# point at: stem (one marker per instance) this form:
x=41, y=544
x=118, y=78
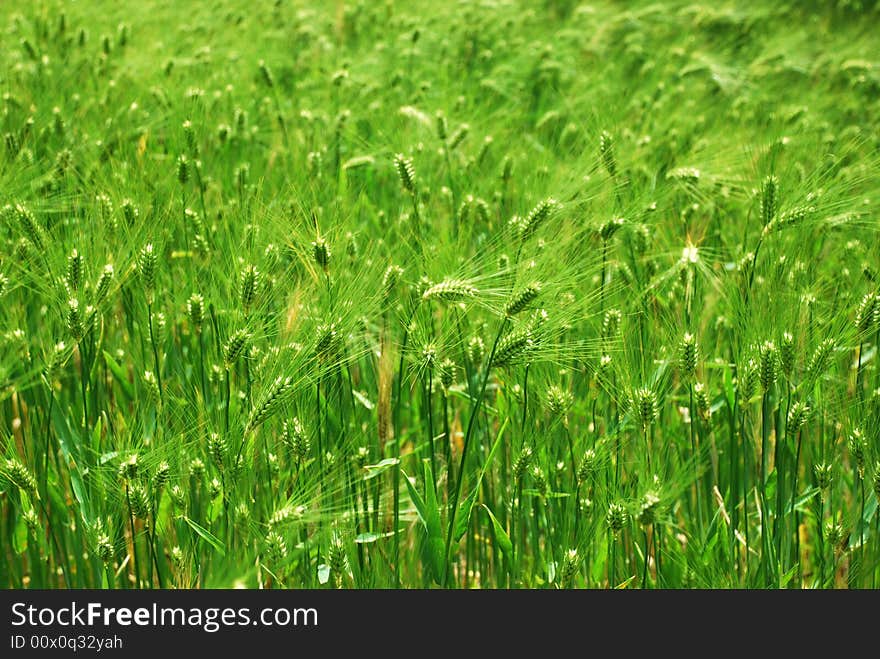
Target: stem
x=451, y=180
x=877, y=540
x=447, y=445
x=797, y=525
x=602, y=280
x=431, y=426
x=514, y=516
x=137, y=572
x=58, y=548
x=821, y=535
x=475, y=408
x=696, y=461
x=779, y=523
x=612, y=561
x=155, y=351
x=320, y=434
x=228, y=396
x=862, y=526
x=752, y=269
x=82, y=380
x=185, y=223
x=201, y=194
x=733, y=485
x=658, y=553
x=765, y=404
x=417, y=219
x=747, y=467
x=202, y=366
x=859, y=395
x=395, y=545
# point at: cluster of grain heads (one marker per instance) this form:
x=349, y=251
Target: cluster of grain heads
x=183, y=169
x=609, y=229
x=441, y=125
x=820, y=359
x=141, y=503
x=160, y=329
x=217, y=449
x=876, y=483
x=321, y=254
x=571, y=562
x=768, y=361
x=748, y=380
x=337, y=560
x=790, y=219
x=514, y=348
x=178, y=498
x=406, y=172
x=688, y=356
x=195, y=309
x=273, y=399
x=558, y=401
x=823, y=473
x=797, y=417
x=787, y=355
x=161, y=475
x=458, y=136
x=196, y=469
x=448, y=370
x=521, y=299
x=130, y=212
x=450, y=290
x=428, y=357
x=769, y=199
x=151, y=382
x=106, y=186
x=606, y=153
x=644, y=406
x=75, y=321
x=56, y=359
x=328, y=342
x=189, y=136
x=32, y=522
x=476, y=350
x=522, y=464
x=296, y=438
x=857, y=446
x=74, y=275
x=616, y=518
x=102, y=286
x=836, y=535
x=704, y=404
x=649, y=508
x=587, y=467
x=146, y=266
x=275, y=548
x=235, y=346
x=19, y=475
x=390, y=279
x=102, y=545
x=539, y=480
x=129, y=467
x=249, y=281
x=536, y=217
x=868, y=313
x=31, y=228
x=611, y=326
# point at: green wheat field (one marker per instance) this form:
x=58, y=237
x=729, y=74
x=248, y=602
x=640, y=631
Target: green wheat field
x=437, y=294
